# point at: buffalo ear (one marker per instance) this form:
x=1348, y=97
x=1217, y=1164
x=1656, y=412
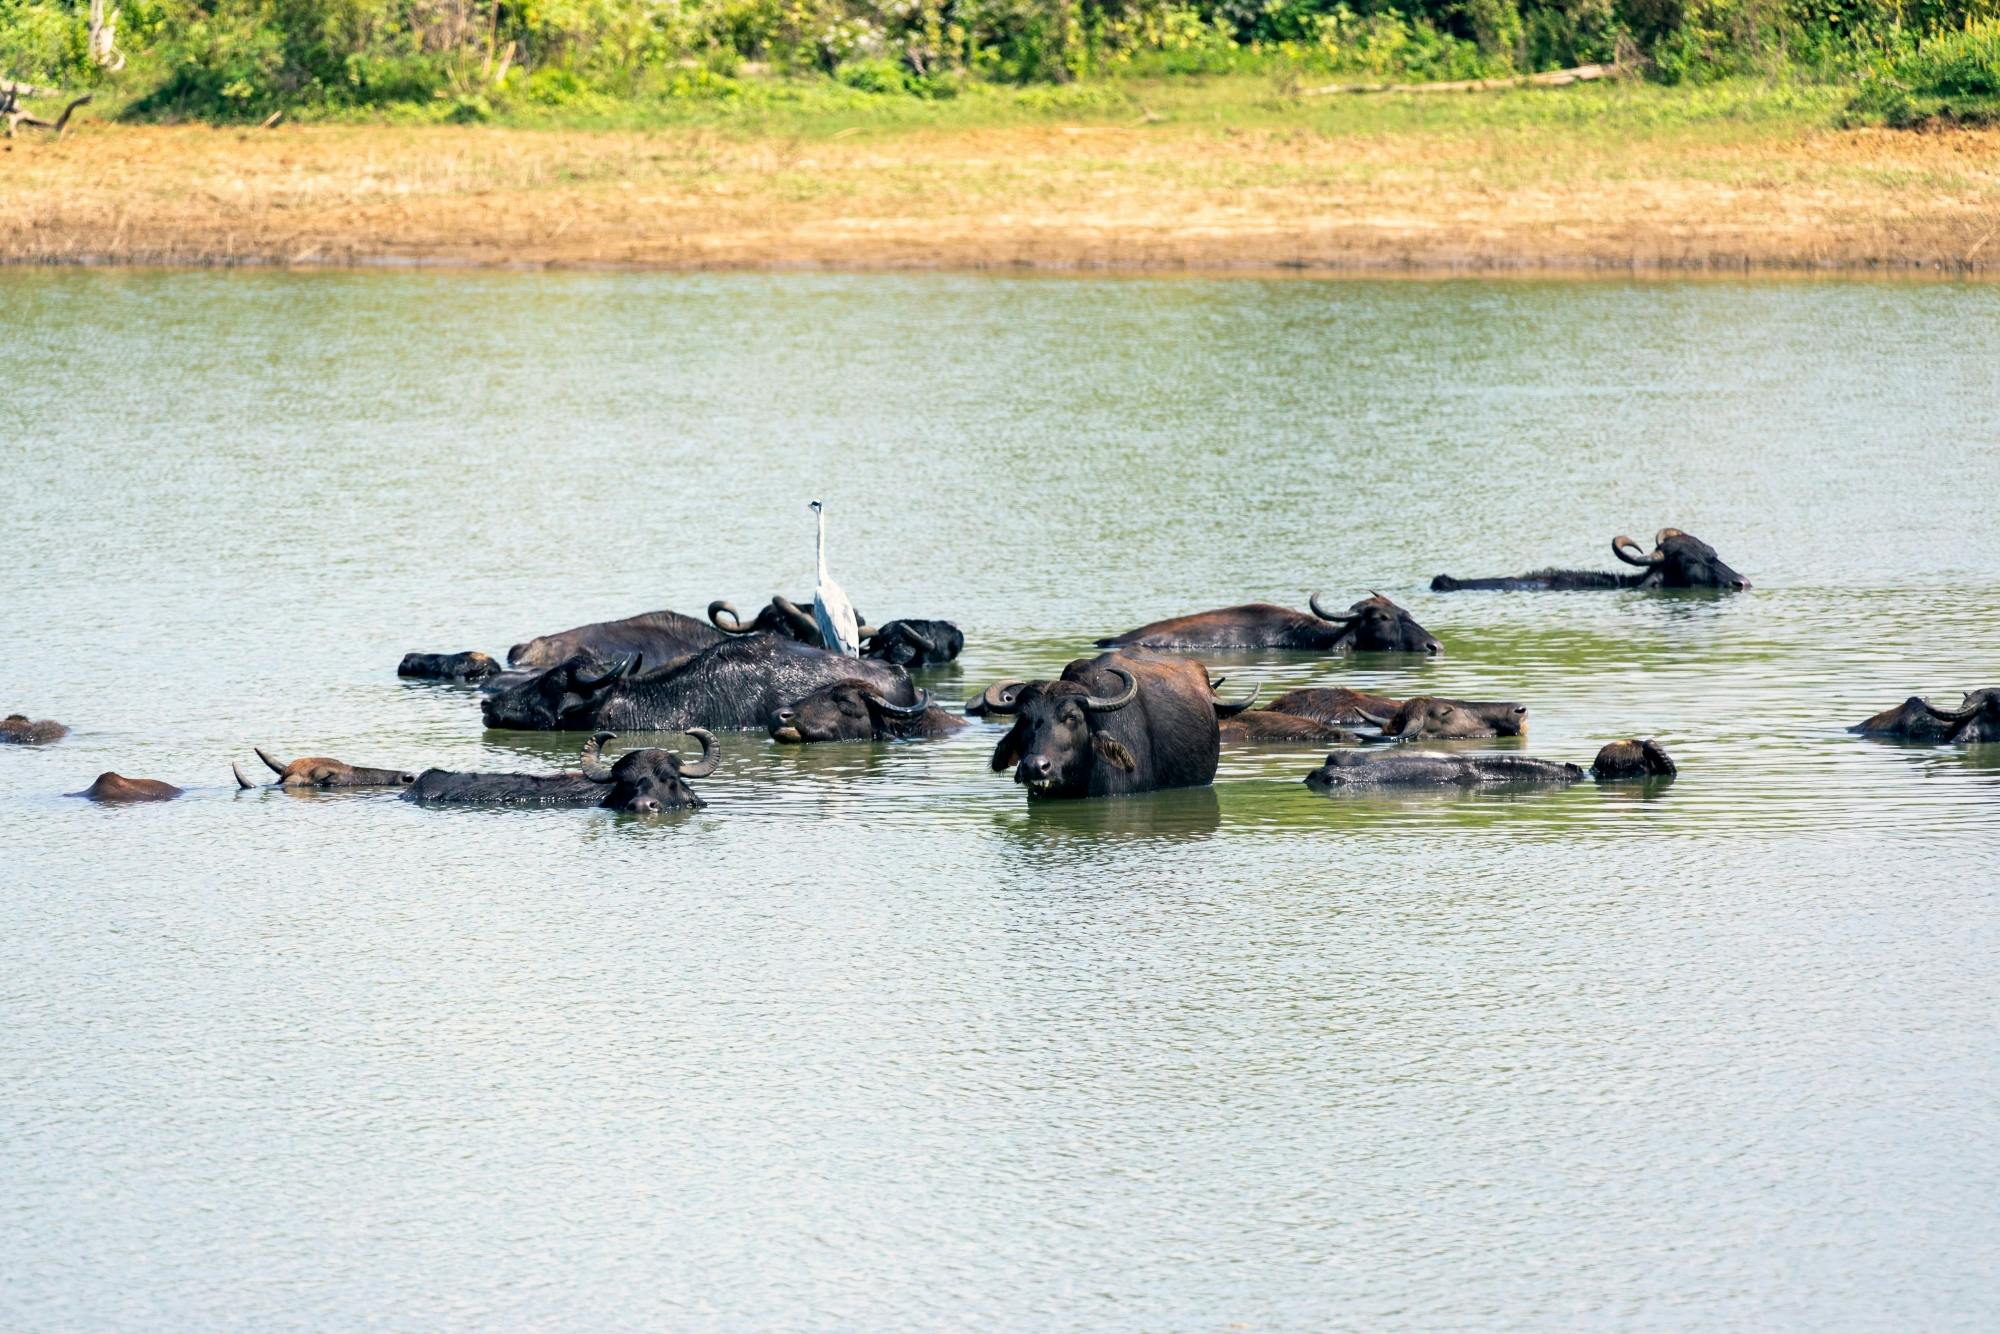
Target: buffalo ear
x=1112, y=751
x=1008, y=753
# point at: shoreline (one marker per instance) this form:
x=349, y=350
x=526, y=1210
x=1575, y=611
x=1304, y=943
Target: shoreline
x=1322, y=201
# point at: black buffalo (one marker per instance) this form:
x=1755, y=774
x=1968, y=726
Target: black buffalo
x=17, y=730
x=470, y=665
x=1975, y=721
x=642, y=782
x=1677, y=560
x=856, y=710
x=914, y=643
x=658, y=636
x=1114, y=724
x=736, y=683
x=1349, y=770
x=1372, y=625
x=319, y=771
x=779, y=616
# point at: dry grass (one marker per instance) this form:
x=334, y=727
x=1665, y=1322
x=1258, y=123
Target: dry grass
x=1320, y=195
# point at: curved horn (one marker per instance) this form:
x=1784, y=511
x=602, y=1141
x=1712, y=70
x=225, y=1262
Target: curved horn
x=1100, y=704
x=1623, y=549
x=269, y=763
x=1230, y=710
x=625, y=666
x=592, y=760
x=1000, y=697
x=711, y=755
x=866, y=631
x=900, y=710
x=734, y=625
x=801, y=619
x=241, y=781
x=1325, y=615
x=918, y=637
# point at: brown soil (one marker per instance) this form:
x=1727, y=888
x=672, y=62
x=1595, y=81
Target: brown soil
x=1049, y=197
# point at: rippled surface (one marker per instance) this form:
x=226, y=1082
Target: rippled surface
x=871, y=1043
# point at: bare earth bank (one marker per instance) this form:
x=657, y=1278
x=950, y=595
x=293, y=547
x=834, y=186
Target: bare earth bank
x=1144, y=197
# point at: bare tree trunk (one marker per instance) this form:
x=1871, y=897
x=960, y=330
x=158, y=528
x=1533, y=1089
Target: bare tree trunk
x=104, y=37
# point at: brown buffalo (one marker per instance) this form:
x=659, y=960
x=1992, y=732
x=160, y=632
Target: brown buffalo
x=1372, y=625
x=857, y=710
x=1975, y=721
x=1336, y=705
x=1428, y=717
x=316, y=771
x=17, y=730
x=1263, y=726
x=118, y=788
x=658, y=636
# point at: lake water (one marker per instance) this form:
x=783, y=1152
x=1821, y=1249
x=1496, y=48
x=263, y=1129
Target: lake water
x=871, y=1043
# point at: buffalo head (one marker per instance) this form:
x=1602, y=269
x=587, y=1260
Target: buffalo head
x=1377, y=625
x=559, y=698
x=1975, y=720
x=1454, y=719
x=781, y=616
x=1054, y=741
x=1678, y=560
x=914, y=643
x=318, y=771
x=470, y=665
x=646, y=782
x=851, y=710
x=18, y=729
x=1632, y=759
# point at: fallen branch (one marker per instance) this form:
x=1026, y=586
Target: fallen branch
x=16, y=116
x=1555, y=78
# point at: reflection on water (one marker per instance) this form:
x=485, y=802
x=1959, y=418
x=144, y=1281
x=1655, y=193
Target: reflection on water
x=876, y=1041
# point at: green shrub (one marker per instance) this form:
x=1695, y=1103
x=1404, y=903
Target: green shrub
x=1951, y=76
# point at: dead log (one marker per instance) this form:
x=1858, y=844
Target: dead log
x=16, y=115
x=1555, y=78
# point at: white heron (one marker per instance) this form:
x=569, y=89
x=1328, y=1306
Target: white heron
x=832, y=612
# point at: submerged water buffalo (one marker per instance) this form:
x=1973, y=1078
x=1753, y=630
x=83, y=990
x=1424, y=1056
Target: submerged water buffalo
x=1347, y=770
x=1420, y=717
x=1372, y=625
x=1111, y=725
x=1677, y=560
x=736, y=683
x=1975, y=721
x=470, y=665
x=115, y=787
x=642, y=782
x=319, y=771
x=779, y=616
x=914, y=643
x=1429, y=717
x=1260, y=726
x=856, y=710
x=17, y=730
x=659, y=636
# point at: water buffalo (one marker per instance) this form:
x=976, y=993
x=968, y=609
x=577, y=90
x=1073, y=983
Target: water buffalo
x=736, y=683
x=16, y=730
x=780, y=616
x=855, y=710
x=470, y=665
x=318, y=771
x=642, y=782
x=1337, y=706
x=1114, y=724
x=1975, y=721
x=659, y=636
x=118, y=788
x=1426, y=716
x=1265, y=726
x=1677, y=560
x=913, y=643
x=1372, y=625
x=1348, y=769
x=1423, y=716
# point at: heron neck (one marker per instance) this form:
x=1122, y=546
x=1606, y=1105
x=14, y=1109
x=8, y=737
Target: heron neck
x=822, y=544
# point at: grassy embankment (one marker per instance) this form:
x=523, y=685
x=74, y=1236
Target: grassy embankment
x=1188, y=173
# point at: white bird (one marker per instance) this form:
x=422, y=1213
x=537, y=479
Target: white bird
x=832, y=612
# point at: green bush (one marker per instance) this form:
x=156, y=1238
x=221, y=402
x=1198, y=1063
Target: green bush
x=1951, y=76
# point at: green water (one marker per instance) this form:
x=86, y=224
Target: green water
x=871, y=1043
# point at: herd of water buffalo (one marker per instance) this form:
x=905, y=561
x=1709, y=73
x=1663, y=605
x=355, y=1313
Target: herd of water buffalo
x=1140, y=716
